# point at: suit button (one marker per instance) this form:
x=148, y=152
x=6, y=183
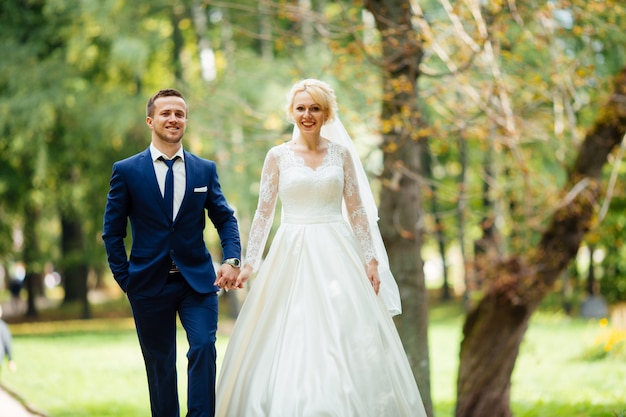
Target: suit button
x=171, y=229
x=171, y=251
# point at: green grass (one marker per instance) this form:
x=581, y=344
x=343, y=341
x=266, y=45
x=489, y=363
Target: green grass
x=85, y=368
x=554, y=374
x=94, y=368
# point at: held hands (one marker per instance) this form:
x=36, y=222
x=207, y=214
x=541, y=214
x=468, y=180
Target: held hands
x=227, y=276
x=372, y=274
x=231, y=278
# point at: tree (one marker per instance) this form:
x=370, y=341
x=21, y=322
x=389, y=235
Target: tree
x=70, y=85
x=30, y=92
x=494, y=329
x=401, y=194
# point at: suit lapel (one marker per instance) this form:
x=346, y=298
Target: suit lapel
x=150, y=179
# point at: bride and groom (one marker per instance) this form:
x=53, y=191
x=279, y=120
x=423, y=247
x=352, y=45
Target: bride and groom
x=315, y=335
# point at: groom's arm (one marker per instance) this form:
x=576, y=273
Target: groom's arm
x=115, y=224
x=222, y=216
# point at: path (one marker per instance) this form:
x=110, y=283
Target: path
x=10, y=406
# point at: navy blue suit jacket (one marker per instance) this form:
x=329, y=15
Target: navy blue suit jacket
x=134, y=194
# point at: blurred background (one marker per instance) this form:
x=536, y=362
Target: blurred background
x=492, y=132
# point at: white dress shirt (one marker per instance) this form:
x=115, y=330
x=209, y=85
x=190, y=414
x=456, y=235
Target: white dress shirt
x=160, y=169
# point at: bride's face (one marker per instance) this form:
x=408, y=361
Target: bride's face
x=308, y=115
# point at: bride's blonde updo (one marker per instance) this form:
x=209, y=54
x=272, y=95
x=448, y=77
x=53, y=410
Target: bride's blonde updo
x=322, y=94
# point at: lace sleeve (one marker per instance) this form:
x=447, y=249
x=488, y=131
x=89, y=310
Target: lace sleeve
x=264, y=214
x=355, y=209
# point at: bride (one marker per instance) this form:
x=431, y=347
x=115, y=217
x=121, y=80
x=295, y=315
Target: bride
x=315, y=335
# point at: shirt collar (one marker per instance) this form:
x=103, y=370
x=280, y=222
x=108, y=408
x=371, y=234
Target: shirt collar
x=156, y=154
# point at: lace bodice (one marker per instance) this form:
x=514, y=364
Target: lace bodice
x=308, y=196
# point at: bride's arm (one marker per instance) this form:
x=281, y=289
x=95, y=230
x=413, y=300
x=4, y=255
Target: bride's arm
x=357, y=215
x=263, y=216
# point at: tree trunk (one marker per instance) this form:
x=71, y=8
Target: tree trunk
x=439, y=226
x=591, y=274
x=493, y=332
x=208, y=63
x=178, y=42
x=494, y=329
x=306, y=24
x=32, y=258
x=401, y=200
x=74, y=268
x=486, y=249
x=461, y=211
x=446, y=295
x=266, y=40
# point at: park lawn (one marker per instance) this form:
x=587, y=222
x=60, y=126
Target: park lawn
x=553, y=376
x=85, y=368
x=94, y=368
x=557, y=374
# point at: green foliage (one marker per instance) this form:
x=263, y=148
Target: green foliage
x=608, y=239
x=613, y=285
x=79, y=74
x=524, y=100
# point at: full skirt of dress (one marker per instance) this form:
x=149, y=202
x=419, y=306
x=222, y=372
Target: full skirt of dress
x=313, y=339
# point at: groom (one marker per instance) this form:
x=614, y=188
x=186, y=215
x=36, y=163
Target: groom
x=165, y=191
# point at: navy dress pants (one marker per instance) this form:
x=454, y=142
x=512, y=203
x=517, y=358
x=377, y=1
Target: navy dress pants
x=155, y=321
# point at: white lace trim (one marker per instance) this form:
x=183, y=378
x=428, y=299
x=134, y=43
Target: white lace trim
x=281, y=157
x=262, y=221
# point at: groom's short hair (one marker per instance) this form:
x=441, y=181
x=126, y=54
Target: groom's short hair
x=167, y=92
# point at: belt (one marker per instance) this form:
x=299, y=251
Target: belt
x=174, y=268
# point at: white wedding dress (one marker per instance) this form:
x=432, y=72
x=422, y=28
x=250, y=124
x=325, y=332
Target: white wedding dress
x=313, y=339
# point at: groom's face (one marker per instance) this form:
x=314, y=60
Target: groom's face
x=169, y=119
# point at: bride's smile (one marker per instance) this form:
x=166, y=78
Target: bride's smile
x=309, y=115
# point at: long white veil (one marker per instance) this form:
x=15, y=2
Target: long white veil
x=389, y=293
